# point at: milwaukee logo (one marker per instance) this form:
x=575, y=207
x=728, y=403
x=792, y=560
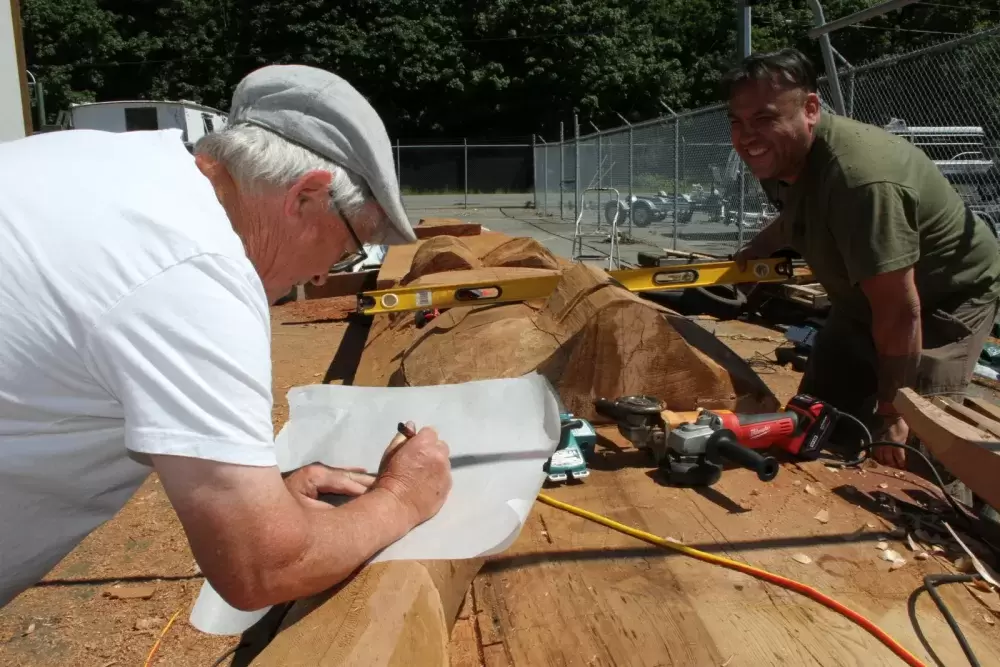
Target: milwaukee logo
x=759, y=431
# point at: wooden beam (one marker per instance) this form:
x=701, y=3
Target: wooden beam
x=967, y=452
x=984, y=408
x=969, y=416
x=396, y=614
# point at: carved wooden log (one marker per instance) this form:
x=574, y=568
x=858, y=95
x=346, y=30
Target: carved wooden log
x=591, y=338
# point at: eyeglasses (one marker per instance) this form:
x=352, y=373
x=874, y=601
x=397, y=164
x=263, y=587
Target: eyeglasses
x=354, y=258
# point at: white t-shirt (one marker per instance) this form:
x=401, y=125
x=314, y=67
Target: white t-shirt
x=131, y=323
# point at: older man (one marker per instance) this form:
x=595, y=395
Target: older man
x=135, y=281
x=911, y=272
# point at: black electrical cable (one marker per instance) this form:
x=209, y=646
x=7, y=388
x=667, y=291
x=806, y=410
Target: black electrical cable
x=931, y=581
x=228, y=653
x=869, y=445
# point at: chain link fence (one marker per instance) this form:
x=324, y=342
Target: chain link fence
x=680, y=185
x=466, y=174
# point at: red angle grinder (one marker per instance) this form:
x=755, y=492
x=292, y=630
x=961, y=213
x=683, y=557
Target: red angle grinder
x=691, y=447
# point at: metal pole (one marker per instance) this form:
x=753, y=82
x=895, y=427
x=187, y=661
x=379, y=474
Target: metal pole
x=534, y=170
x=857, y=17
x=545, y=168
x=562, y=166
x=744, y=29
x=600, y=175
x=739, y=220
x=677, y=172
x=465, y=162
x=576, y=160
x=828, y=62
x=40, y=96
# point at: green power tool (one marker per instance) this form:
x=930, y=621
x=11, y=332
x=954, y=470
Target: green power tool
x=576, y=446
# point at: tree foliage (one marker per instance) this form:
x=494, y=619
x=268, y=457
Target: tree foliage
x=448, y=68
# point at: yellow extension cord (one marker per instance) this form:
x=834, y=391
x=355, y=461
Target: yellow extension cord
x=790, y=584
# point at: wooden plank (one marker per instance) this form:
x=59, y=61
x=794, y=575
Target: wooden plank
x=570, y=591
x=969, y=416
x=397, y=614
x=967, y=452
x=984, y=408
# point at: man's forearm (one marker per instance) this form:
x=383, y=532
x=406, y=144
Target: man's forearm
x=898, y=343
x=338, y=541
x=769, y=240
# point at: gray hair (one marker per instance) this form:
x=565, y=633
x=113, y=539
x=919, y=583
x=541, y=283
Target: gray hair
x=258, y=158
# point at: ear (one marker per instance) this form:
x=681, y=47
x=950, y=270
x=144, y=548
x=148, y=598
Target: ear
x=309, y=194
x=812, y=108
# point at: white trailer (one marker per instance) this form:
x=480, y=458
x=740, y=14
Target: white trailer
x=15, y=121
x=195, y=120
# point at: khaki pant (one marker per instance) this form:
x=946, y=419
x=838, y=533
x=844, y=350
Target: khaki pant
x=842, y=368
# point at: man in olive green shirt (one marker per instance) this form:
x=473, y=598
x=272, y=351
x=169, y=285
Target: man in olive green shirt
x=912, y=274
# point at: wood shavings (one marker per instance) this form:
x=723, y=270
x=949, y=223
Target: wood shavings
x=729, y=660
x=811, y=490
x=31, y=629
x=896, y=564
x=832, y=469
x=982, y=585
x=871, y=526
x=981, y=569
x=882, y=546
x=822, y=516
x=797, y=482
x=937, y=549
x=910, y=543
x=922, y=555
x=802, y=558
x=989, y=619
x=890, y=555
x=883, y=485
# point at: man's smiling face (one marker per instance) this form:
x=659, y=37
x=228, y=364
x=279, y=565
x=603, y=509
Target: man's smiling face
x=771, y=126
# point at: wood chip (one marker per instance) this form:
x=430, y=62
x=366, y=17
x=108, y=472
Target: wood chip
x=871, y=526
x=984, y=586
x=147, y=623
x=883, y=485
x=811, y=490
x=890, y=555
x=910, y=543
x=989, y=619
x=802, y=558
x=797, y=482
x=31, y=629
x=130, y=592
x=822, y=516
x=896, y=564
x=937, y=549
x=729, y=660
x=882, y=546
x=922, y=556
x=832, y=469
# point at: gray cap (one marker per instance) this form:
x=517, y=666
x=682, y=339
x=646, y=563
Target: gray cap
x=320, y=111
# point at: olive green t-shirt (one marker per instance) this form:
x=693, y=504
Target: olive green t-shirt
x=868, y=202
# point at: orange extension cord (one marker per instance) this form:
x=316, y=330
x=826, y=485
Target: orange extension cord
x=778, y=580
